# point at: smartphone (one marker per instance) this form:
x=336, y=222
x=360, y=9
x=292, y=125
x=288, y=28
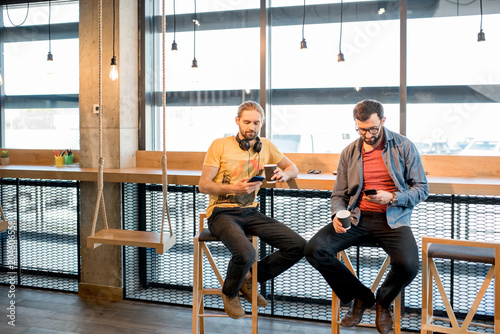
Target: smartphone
x=257, y=178
x=370, y=191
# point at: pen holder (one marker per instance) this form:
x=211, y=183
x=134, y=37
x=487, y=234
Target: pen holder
x=59, y=161
x=68, y=159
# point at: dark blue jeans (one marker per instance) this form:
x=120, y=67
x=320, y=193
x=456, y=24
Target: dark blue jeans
x=230, y=226
x=398, y=243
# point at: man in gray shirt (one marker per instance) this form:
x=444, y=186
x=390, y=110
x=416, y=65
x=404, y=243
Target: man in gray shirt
x=389, y=163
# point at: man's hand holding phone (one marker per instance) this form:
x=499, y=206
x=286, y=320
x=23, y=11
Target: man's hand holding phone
x=377, y=196
x=370, y=191
x=257, y=178
x=247, y=185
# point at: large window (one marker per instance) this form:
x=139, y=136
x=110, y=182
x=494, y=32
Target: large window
x=40, y=98
x=451, y=79
x=312, y=94
x=201, y=101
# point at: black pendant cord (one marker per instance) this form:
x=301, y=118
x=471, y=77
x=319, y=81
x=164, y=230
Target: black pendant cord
x=481, y=9
x=341, y=19
x=194, y=31
x=175, y=22
x=303, y=19
x=25, y=18
x=114, y=28
x=50, y=39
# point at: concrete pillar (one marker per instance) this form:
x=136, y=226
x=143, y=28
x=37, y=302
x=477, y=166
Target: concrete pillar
x=101, y=268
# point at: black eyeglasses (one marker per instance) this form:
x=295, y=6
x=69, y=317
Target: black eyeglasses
x=373, y=131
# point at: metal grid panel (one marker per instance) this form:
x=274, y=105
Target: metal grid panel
x=175, y=267
x=300, y=291
x=47, y=232
x=8, y=257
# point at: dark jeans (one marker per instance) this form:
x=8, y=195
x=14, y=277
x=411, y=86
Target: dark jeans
x=230, y=226
x=398, y=243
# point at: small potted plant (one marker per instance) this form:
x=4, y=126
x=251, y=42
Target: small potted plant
x=4, y=157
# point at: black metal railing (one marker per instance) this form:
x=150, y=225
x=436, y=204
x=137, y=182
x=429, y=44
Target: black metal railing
x=46, y=217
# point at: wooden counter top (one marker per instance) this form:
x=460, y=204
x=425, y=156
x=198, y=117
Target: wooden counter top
x=324, y=181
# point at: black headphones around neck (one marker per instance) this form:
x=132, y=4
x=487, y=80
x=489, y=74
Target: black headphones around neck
x=245, y=144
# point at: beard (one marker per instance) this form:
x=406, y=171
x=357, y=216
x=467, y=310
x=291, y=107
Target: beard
x=250, y=135
x=373, y=140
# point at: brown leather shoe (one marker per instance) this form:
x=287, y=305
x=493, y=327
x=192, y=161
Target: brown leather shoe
x=383, y=320
x=246, y=290
x=232, y=307
x=353, y=317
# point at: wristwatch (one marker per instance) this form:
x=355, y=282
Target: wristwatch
x=394, y=200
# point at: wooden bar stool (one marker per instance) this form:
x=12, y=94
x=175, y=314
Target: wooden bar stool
x=464, y=250
x=336, y=302
x=199, y=291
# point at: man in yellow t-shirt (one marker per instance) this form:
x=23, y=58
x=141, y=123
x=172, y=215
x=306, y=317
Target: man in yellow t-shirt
x=232, y=212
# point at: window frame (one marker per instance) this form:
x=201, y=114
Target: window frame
x=31, y=33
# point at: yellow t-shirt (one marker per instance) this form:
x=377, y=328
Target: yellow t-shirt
x=235, y=164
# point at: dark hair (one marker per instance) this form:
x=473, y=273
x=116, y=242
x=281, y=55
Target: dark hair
x=364, y=110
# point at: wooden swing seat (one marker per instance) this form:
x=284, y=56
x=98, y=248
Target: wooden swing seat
x=4, y=225
x=119, y=237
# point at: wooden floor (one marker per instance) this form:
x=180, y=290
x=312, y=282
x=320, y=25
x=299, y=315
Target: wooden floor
x=42, y=311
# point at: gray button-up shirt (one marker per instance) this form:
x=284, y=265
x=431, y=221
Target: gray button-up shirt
x=403, y=162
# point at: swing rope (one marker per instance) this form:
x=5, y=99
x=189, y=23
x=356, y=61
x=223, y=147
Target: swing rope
x=164, y=177
x=100, y=172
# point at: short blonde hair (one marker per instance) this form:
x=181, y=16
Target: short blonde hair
x=250, y=105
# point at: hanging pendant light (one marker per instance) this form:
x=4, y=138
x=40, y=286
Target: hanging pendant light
x=50, y=57
x=113, y=71
x=174, y=44
x=303, y=44
x=194, y=64
x=480, y=35
x=340, y=57
x=381, y=7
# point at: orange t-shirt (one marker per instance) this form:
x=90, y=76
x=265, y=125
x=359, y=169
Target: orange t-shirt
x=375, y=176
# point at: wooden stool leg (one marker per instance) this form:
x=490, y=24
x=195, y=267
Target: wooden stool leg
x=426, y=290
x=336, y=304
x=335, y=314
x=198, y=322
x=397, y=315
x=196, y=281
x=255, y=319
x=201, y=297
x=496, y=322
